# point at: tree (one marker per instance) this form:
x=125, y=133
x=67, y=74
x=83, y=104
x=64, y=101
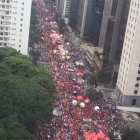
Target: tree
x=94, y=94
x=35, y=35
x=26, y=94
x=35, y=54
x=130, y=134
x=93, y=80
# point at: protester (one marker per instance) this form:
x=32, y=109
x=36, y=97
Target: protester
x=69, y=120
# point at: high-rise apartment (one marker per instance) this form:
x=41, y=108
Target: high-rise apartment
x=64, y=9
x=14, y=24
x=97, y=20
x=74, y=7
x=92, y=19
x=116, y=26
x=84, y=19
x=128, y=83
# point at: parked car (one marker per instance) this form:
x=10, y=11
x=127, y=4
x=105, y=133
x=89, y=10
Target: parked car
x=131, y=118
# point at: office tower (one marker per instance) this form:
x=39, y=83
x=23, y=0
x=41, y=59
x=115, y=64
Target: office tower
x=74, y=7
x=64, y=9
x=84, y=19
x=91, y=19
x=97, y=20
x=106, y=15
x=14, y=24
x=113, y=41
x=127, y=88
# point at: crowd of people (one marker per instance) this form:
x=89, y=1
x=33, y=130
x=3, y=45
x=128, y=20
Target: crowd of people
x=75, y=116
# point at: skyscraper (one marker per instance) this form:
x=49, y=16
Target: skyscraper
x=74, y=7
x=116, y=27
x=97, y=20
x=64, y=9
x=14, y=24
x=91, y=24
x=128, y=83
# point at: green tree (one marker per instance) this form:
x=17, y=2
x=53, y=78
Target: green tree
x=93, y=79
x=35, y=54
x=130, y=134
x=26, y=94
x=94, y=94
x=35, y=34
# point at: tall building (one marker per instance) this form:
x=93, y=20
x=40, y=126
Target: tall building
x=97, y=20
x=92, y=19
x=64, y=9
x=116, y=26
x=14, y=24
x=106, y=15
x=81, y=20
x=128, y=83
x=74, y=7
x=85, y=17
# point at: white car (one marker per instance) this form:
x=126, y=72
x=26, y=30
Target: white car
x=131, y=118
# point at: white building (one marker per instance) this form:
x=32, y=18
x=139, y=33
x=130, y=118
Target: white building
x=128, y=83
x=15, y=23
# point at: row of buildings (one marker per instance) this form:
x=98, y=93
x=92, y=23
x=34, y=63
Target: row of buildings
x=114, y=26
x=15, y=23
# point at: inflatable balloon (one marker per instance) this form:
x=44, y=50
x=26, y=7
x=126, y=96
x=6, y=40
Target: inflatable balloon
x=106, y=138
x=87, y=101
x=80, y=98
x=100, y=135
x=74, y=102
x=86, y=134
x=82, y=105
x=93, y=135
x=55, y=112
x=89, y=137
x=95, y=138
x=96, y=108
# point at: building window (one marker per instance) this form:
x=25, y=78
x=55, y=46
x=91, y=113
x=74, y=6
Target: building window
x=20, y=24
x=134, y=101
x=21, y=19
x=20, y=30
x=138, y=78
x=19, y=45
x=135, y=91
x=138, y=71
x=136, y=85
x=22, y=3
